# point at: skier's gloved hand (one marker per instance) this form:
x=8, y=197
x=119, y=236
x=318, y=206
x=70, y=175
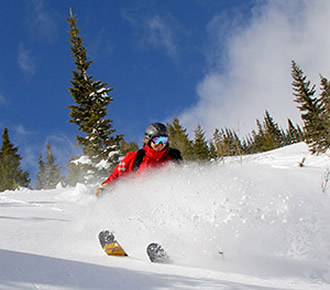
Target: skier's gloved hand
x=100, y=190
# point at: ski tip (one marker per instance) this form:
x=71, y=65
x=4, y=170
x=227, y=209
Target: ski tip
x=110, y=244
x=156, y=253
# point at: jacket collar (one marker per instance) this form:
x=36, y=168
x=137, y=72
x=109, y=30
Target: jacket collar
x=151, y=153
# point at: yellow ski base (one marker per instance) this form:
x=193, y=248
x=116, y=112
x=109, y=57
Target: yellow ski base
x=114, y=249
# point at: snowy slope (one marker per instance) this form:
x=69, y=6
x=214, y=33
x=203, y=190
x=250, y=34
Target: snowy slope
x=269, y=216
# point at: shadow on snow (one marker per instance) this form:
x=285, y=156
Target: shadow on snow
x=23, y=270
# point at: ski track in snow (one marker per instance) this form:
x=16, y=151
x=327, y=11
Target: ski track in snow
x=268, y=215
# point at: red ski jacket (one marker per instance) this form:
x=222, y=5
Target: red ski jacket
x=151, y=159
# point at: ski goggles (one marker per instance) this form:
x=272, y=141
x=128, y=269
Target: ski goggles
x=160, y=139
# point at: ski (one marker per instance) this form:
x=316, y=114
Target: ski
x=157, y=254
x=110, y=244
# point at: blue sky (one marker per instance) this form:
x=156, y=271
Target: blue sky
x=204, y=61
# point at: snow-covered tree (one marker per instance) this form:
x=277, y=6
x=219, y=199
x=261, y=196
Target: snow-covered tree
x=90, y=110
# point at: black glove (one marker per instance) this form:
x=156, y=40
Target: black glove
x=100, y=190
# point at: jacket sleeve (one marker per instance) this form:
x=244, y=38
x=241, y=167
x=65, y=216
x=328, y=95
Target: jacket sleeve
x=124, y=167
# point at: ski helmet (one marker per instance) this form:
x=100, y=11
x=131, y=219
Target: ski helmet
x=155, y=130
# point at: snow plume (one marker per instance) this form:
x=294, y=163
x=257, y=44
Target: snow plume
x=255, y=75
x=260, y=211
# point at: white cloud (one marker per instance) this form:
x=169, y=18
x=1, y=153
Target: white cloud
x=251, y=69
x=25, y=60
x=2, y=99
x=160, y=34
x=40, y=21
x=158, y=31
x=21, y=131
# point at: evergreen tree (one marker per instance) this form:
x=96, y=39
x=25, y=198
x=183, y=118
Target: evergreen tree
x=314, y=115
x=49, y=174
x=11, y=175
x=272, y=133
x=75, y=173
x=227, y=143
x=259, y=138
x=256, y=140
x=53, y=171
x=213, y=151
x=41, y=181
x=235, y=146
x=267, y=137
x=128, y=147
x=179, y=139
x=218, y=143
x=89, y=112
x=324, y=134
x=293, y=134
x=200, y=148
x=248, y=143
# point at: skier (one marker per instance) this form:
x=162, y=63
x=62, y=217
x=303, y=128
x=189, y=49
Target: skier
x=155, y=153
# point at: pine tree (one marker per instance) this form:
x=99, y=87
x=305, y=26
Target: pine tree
x=53, y=171
x=200, y=148
x=213, y=151
x=179, y=139
x=128, y=147
x=75, y=173
x=272, y=133
x=234, y=143
x=227, y=143
x=89, y=112
x=293, y=134
x=323, y=143
x=49, y=174
x=218, y=143
x=314, y=115
x=246, y=143
x=41, y=180
x=11, y=175
x=256, y=139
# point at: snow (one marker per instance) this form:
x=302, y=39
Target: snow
x=102, y=164
x=268, y=215
x=82, y=160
